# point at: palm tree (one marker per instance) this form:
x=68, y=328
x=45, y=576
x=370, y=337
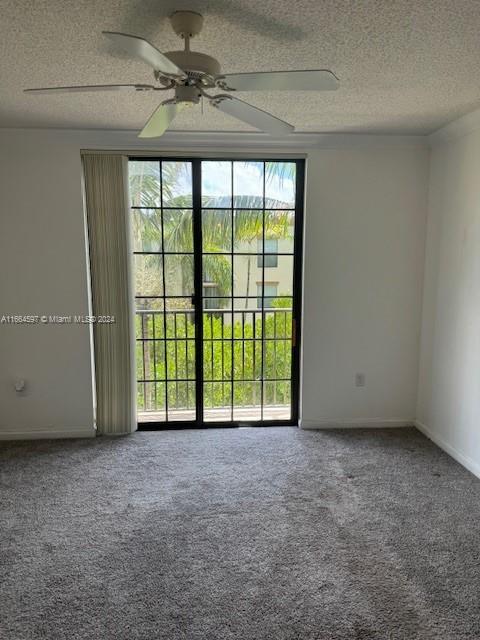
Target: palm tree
x=216, y=229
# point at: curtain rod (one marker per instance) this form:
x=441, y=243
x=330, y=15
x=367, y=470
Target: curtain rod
x=270, y=153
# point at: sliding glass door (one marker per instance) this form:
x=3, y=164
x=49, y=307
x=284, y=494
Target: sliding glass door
x=217, y=263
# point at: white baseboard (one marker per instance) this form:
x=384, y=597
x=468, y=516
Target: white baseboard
x=38, y=434
x=465, y=461
x=375, y=423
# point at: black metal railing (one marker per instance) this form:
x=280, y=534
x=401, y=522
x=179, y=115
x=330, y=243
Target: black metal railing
x=246, y=355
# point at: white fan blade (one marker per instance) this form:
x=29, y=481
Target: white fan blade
x=160, y=120
x=93, y=87
x=320, y=80
x=141, y=48
x=252, y=115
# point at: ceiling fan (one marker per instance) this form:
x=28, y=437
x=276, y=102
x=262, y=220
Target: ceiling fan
x=192, y=75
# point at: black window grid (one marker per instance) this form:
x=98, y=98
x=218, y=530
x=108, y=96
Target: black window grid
x=233, y=311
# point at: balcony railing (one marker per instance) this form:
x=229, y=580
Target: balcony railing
x=246, y=360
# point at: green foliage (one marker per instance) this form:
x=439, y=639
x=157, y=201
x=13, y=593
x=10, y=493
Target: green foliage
x=282, y=303
x=175, y=359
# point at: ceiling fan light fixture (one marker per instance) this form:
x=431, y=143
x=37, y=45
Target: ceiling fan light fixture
x=188, y=95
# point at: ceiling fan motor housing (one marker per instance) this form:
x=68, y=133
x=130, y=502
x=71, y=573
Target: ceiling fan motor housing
x=195, y=63
x=199, y=67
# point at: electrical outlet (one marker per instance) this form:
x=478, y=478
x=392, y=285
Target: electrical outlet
x=19, y=385
x=359, y=379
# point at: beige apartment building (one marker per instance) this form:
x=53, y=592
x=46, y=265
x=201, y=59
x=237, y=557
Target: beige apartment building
x=250, y=267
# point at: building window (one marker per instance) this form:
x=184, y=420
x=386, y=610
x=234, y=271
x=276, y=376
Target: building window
x=210, y=296
x=270, y=259
x=270, y=291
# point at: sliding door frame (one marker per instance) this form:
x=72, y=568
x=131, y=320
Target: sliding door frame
x=196, y=162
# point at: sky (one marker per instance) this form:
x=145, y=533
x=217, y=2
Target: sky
x=217, y=180
x=247, y=180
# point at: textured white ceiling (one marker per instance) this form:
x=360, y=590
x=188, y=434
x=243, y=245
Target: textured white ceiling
x=404, y=66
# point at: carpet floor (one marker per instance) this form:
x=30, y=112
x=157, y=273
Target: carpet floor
x=248, y=534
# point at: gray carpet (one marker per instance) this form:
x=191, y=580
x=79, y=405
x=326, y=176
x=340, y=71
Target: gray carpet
x=244, y=534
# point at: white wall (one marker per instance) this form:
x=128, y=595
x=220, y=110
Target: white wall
x=449, y=384
x=364, y=257
x=43, y=271
x=365, y=225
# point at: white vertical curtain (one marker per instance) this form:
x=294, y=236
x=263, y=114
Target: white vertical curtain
x=106, y=181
